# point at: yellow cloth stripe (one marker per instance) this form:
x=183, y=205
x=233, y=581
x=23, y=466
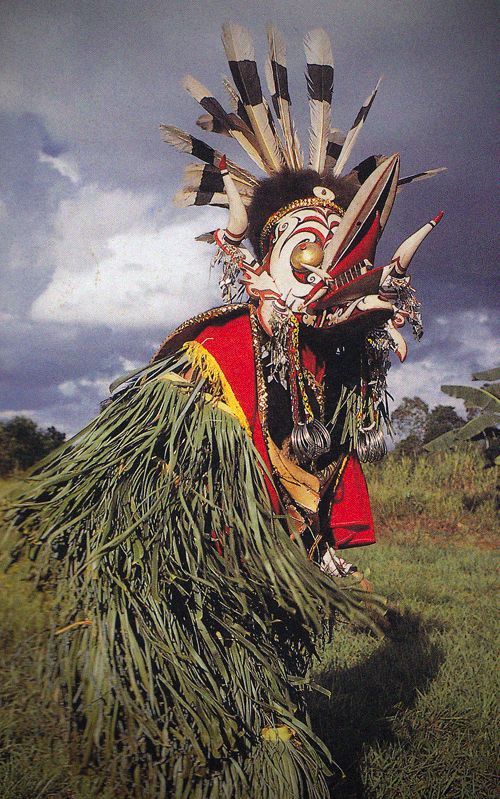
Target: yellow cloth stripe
x=204, y=362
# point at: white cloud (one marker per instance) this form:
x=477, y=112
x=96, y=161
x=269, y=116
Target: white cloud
x=464, y=343
x=72, y=388
x=117, y=265
x=65, y=165
x=43, y=417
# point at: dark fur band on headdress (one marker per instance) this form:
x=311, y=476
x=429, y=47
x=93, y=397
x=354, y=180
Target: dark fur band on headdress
x=275, y=192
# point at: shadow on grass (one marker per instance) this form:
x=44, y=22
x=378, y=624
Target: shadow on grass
x=365, y=696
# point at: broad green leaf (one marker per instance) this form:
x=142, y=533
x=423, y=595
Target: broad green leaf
x=475, y=397
x=468, y=431
x=489, y=374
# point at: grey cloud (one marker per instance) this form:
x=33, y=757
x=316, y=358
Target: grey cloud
x=93, y=80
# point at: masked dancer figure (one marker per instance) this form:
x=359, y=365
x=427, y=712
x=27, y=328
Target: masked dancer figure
x=190, y=533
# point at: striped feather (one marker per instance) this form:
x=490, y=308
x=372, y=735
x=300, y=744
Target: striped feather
x=204, y=177
x=185, y=143
x=210, y=124
x=241, y=57
x=320, y=89
x=186, y=197
x=277, y=138
x=213, y=124
x=429, y=173
x=235, y=99
x=354, y=131
x=234, y=126
x=335, y=141
x=277, y=83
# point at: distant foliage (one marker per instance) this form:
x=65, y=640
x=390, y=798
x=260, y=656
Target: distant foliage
x=440, y=496
x=410, y=417
x=442, y=419
x=418, y=424
x=483, y=414
x=23, y=443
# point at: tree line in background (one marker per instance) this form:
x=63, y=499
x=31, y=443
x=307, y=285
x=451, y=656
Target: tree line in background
x=23, y=443
x=416, y=424
x=420, y=428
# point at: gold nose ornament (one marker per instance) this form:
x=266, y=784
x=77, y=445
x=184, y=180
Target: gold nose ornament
x=305, y=254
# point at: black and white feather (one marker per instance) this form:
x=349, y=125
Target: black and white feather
x=236, y=101
x=185, y=143
x=277, y=83
x=241, y=57
x=230, y=122
x=319, y=76
x=204, y=178
x=354, y=132
x=428, y=173
x=336, y=139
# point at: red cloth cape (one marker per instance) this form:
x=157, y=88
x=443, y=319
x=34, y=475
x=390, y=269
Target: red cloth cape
x=345, y=511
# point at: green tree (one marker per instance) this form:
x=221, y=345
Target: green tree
x=7, y=464
x=482, y=426
x=441, y=419
x=417, y=424
x=23, y=443
x=410, y=417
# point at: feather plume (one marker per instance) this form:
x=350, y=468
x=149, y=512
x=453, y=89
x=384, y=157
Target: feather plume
x=241, y=57
x=429, y=173
x=353, y=134
x=277, y=83
x=186, y=197
x=320, y=89
x=234, y=126
x=235, y=99
x=333, y=149
x=272, y=125
x=212, y=125
x=208, y=178
x=207, y=237
x=185, y=143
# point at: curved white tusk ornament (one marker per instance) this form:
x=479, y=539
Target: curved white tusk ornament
x=401, y=347
x=401, y=259
x=238, y=218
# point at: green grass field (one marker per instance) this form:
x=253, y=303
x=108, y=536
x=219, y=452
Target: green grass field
x=412, y=714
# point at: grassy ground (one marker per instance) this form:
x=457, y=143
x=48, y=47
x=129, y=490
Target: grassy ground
x=440, y=498
x=412, y=714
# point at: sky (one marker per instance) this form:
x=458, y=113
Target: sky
x=98, y=266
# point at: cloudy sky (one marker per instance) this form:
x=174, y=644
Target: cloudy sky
x=97, y=266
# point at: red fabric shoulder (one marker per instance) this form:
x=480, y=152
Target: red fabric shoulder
x=230, y=342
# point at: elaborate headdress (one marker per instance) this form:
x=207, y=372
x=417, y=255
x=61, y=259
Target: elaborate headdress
x=313, y=231
x=251, y=123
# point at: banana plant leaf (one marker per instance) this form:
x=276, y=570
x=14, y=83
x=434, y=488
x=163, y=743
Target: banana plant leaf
x=485, y=397
x=473, y=428
x=489, y=375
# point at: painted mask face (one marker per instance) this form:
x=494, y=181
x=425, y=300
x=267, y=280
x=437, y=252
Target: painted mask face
x=319, y=265
x=295, y=260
